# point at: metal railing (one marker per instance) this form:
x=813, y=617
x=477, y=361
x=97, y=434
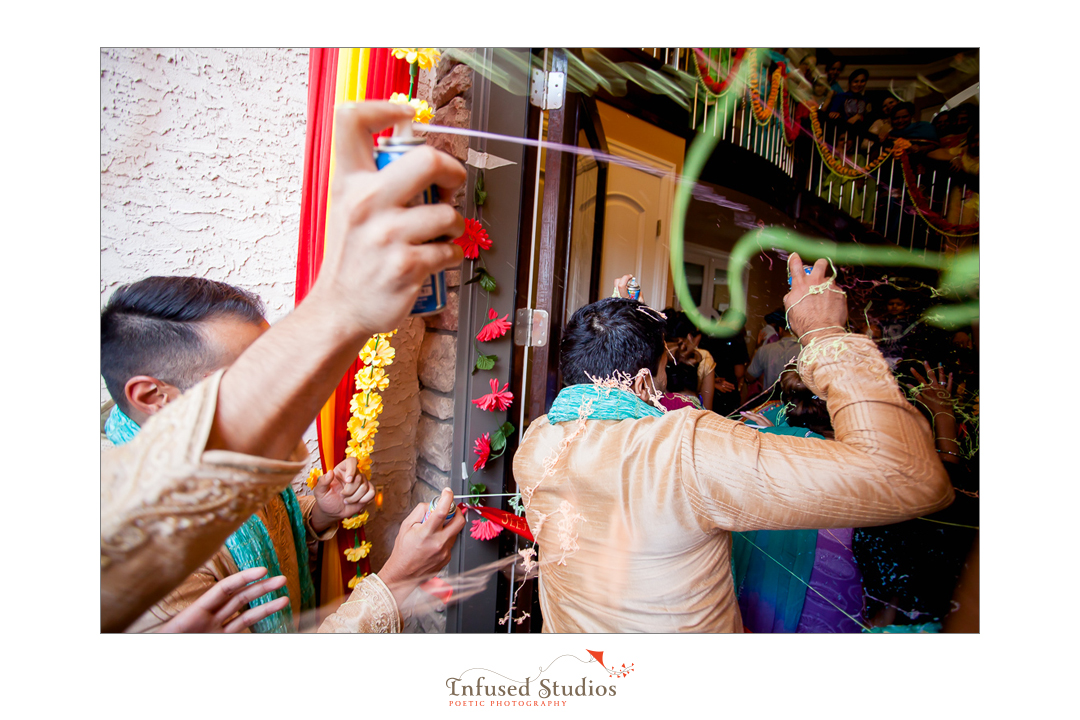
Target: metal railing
x=880, y=202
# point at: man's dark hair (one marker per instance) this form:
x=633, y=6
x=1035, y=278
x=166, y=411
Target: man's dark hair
x=153, y=327
x=609, y=336
x=777, y=318
x=857, y=73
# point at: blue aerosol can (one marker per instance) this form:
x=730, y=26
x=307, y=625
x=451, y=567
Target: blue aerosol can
x=431, y=509
x=432, y=298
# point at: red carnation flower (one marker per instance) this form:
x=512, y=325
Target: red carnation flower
x=473, y=239
x=495, y=400
x=484, y=529
x=483, y=449
x=495, y=328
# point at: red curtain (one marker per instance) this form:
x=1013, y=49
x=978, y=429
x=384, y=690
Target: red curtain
x=385, y=76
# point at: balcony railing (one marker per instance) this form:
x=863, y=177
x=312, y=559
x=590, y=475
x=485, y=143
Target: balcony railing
x=926, y=205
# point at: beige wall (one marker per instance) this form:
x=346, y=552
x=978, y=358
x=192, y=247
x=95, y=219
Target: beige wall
x=636, y=133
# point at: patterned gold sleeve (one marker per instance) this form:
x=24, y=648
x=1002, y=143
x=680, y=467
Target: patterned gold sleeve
x=370, y=609
x=881, y=469
x=167, y=504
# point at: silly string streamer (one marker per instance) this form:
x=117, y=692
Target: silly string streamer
x=960, y=272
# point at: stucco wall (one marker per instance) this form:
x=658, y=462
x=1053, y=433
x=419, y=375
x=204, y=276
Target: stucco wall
x=202, y=153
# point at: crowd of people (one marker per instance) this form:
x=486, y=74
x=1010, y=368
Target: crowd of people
x=902, y=576
x=633, y=483
x=857, y=123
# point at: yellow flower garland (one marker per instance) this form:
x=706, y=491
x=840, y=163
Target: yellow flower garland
x=366, y=406
x=832, y=162
x=424, y=112
x=355, y=521
x=424, y=57
x=763, y=113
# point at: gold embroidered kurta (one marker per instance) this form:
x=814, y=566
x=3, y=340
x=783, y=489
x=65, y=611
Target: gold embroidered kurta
x=634, y=517
x=168, y=504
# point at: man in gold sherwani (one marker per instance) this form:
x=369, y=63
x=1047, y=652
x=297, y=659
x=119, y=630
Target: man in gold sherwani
x=633, y=508
x=214, y=455
x=159, y=337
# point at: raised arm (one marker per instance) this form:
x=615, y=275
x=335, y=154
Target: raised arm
x=882, y=468
x=201, y=466
x=374, y=264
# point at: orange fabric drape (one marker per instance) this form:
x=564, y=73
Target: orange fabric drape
x=335, y=76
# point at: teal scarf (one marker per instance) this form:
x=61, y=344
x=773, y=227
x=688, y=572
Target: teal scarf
x=119, y=428
x=607, y=404
x=250, y=546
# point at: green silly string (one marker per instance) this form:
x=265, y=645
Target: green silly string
x=960, y=273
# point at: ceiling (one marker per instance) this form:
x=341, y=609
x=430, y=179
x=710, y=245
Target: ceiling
x=854, y=57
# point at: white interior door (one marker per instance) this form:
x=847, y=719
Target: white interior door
x=636, y=225
x=582, y=228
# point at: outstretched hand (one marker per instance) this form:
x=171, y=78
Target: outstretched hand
x=935, y=390
x=756, y=419
x=815, y=306
x=210, y=612
x=422, y=548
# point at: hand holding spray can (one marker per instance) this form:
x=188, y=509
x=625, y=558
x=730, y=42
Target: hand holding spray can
x=432, y=298
x=806, y=268
x=431, y=509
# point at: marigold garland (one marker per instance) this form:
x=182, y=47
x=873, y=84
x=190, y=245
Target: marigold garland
x=423, y=111
x=366, y=406
x=763, y=112
x=838, y=166
x=355, y=521
x=714, y=88
x=355, y=554
x=426, y=58
x=936, y=222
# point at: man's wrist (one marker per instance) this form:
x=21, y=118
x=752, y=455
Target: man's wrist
x=320, y=520
x=321, y=309
x=818, y=334
x=399, y=585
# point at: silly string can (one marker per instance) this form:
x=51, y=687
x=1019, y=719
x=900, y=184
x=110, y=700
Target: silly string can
x=432, y=298
x=806, y=269
x=431, y=509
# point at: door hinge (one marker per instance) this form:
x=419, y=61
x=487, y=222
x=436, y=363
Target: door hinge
x=548, y=89
x=531, y=327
